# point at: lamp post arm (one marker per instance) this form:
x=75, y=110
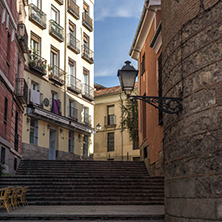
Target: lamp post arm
x=170, y=105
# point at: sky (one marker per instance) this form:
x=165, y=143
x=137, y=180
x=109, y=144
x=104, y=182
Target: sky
x=115, y=26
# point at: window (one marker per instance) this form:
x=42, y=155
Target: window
x=36, y=3
x=6, y=110
x=85, y=81
x=86, y=8
x=160, y=87
x=72, y=67
x=35, y=94
x=144, y=118
x=110, y=142
x=55, y=108
x=86, y=115
x=85, y=145
x=55, y=14
x=16, y=139
x=86, y=41
x=8, y=49
x=3, y=155
x=135, y=145
x=35, y=44
x=34, y=86
x=33, y=136
x=143, y=64
x=54, y=60
x=72, y=28
x=111, y=115
x=71, y=141
x=72, y=110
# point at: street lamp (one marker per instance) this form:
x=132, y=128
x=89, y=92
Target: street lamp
x=98, y=126
x=127, y=77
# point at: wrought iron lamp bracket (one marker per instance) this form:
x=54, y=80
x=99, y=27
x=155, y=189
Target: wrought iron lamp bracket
x=170, y=105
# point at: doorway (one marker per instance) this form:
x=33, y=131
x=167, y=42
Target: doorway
x=52, y=145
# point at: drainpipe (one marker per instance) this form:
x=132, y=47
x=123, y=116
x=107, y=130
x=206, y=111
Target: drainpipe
x=65, y=51
x=120, y=95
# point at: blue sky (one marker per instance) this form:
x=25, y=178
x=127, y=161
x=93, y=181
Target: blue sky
x=116, y=22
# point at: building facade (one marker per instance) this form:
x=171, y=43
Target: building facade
x=146, y=49
x=59, y=72
x=112, y=141
x=193, y=140
x=13, y=87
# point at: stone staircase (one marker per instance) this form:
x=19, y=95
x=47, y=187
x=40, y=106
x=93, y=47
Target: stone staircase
x=87, y=183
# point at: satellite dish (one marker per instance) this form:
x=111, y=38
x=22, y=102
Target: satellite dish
x=45, y=102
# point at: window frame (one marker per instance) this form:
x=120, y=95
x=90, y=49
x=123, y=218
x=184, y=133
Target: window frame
x=110, y=148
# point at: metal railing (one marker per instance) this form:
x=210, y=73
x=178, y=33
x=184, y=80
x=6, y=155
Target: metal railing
x=23, y=37
x=73, y=113
x=73, y=43
x=87, y=91
x=56, y=74
x=74, y=84
x=38, y=63
x=87, y=54
x=87, y=21
x=22, y=90
x=73, y=8
x=37, y=15
x=56, y=30
x=110, y=120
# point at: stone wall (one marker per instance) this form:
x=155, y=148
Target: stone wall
x=192, y=64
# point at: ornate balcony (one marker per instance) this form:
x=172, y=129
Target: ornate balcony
x=56, y=74
x=56, y=30
x=60, y=2
x=87, y=21
x=38, y=63
x=73, y=43
x=37, y=16
x=74, y=84
x=23, y=37
x=87, y=91
x=87, y=54
x=21, y=90
x=73, y=9
x=73, y=113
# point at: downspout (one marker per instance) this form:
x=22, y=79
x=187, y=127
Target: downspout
x=120, y=95
x=65, y=44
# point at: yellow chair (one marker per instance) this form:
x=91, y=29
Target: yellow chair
x=14, y=197
x=22, y=196
x=4, y=198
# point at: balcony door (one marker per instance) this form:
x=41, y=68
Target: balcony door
x=55, y=14
x=72, y=73
x=86, y=81
x=52, y=145
x=85, y=145
x=36, y=3
x=55, y=61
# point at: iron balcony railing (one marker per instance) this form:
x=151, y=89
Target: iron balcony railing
x=87, y=21
x=87, y=119
x=73, y=8
x=22, y=90
x=60, y=2
x=73, y=113
x=87, y=54
x=87, y=91
x=56, y=30
x=37, y=15
x=74, y=84
x=23, y=37
x=38, y=63
x=73, y=43
x=56, y=74
x=110, y=120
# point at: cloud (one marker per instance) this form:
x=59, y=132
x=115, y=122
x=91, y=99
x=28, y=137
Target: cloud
x=118, y=8
x=104, y=73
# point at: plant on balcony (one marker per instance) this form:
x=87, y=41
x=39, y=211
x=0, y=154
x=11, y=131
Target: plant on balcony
x=37, y=61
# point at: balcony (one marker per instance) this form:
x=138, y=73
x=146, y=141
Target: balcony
x=73, y=43
x=60, y=2
x=87, y=21
x=37, y=16
x=87, y=54
x=23, y=38
x=56, y=30
x=110, y=120
x=87, y=119
x=74, y=84
x=73, y=113
x=73, y=9
x=38, y=63
x=56, y=74
x=21, y=90
x=87, y=92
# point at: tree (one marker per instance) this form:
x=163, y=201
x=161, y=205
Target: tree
x=130, y=118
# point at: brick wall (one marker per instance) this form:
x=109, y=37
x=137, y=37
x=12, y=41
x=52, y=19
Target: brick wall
x=192, y=140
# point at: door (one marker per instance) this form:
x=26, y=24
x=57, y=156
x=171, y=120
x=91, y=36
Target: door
x=52, y=145
x=85, y=145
